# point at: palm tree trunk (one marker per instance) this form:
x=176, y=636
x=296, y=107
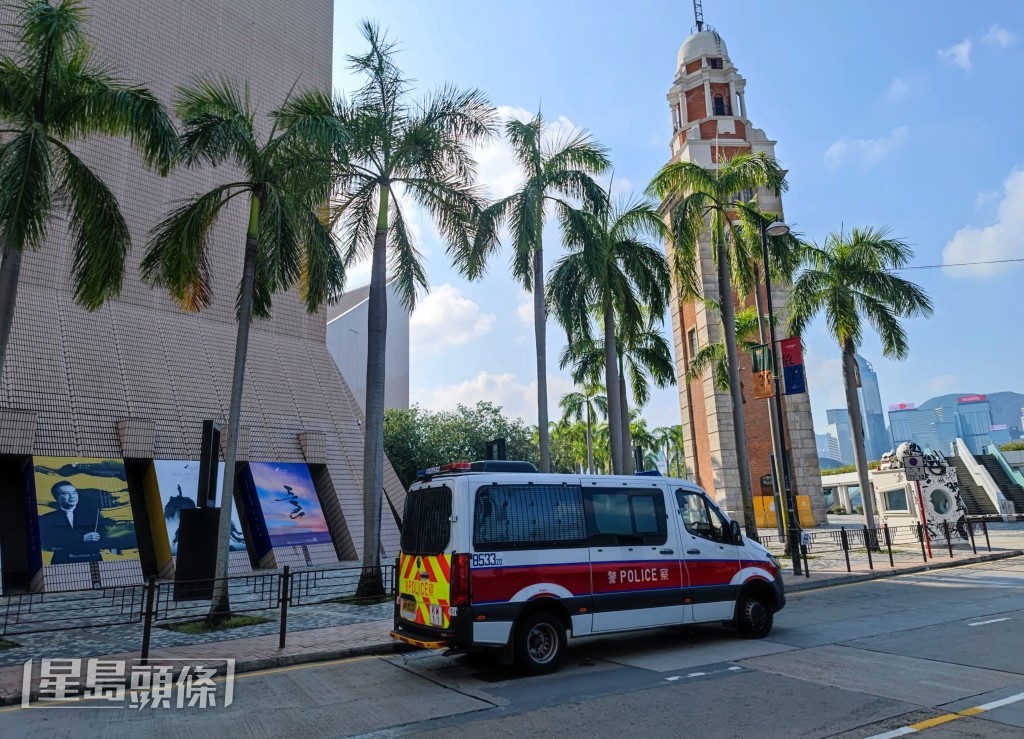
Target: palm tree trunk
x=540, y=325
x=590, y=442
x=860, y=456
x=10, y=269
x=735, y=388
x=371, y=581
x=627, y=435
x=611, y=376
x=220, y=605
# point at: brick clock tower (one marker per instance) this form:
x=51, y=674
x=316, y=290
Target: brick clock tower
x=710, y=124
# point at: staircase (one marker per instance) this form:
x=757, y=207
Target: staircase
x=977, y=501
x=1010, y=489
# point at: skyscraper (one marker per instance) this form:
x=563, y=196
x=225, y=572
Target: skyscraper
x=876, y=437
x=710, y=125
x=839, y=429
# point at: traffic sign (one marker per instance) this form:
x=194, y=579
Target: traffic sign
x=913, y=467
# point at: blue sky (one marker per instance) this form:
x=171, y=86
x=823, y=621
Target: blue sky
x=903, y=114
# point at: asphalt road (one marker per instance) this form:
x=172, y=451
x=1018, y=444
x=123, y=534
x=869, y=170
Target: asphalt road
x=858, y=660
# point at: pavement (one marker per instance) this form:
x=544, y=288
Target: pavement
x=326, y=632
x=935, y=652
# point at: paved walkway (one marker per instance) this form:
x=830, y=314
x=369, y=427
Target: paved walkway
x=334, y=631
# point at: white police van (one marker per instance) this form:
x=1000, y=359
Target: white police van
x=495, y=554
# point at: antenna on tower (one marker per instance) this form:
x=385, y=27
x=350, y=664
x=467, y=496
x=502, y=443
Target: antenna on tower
x=698, y=15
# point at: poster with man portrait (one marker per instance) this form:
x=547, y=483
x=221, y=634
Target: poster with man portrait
x=84, y=510
x=287, y=498
x=178, y=481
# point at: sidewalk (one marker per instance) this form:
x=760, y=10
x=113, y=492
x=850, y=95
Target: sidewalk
x=364, y=630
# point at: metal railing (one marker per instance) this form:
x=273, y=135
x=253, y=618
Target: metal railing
x=269, y=594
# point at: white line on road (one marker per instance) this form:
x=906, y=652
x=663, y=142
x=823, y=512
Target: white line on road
x=673, y=678
x=895, y=732
x=992, y=621
x=1002, y=702
x=947, y=717
x=697, y=674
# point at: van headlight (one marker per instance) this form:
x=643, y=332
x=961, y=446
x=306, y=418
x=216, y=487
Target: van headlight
x=775, y=561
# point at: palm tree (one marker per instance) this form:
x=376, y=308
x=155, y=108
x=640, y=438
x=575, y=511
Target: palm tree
x=613, y=267
x=850, y=280
x=713, y=356
x=644, y=439
x=702, y=199
x=586, y=404
x=676, y=442
x=400, y=148
x=283, y=178
x=554, y=172
x=643, y=356
x=53, y=93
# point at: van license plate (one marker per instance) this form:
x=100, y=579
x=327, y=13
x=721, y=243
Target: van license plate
x=436, y=615
x=408, y=609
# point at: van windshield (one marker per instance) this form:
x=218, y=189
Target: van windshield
x=426, y=526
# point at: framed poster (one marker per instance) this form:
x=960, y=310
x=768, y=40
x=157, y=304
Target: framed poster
x=287, y=499
x=178, y=480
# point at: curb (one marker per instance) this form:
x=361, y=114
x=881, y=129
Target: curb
x=268, y=663
x=797, y=585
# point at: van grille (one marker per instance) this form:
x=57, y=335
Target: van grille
x=426, y=526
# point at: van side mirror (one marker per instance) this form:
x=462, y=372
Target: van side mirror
x=734, y=529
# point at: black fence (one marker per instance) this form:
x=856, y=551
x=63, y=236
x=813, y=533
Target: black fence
x=267, y=594
x=883, y=545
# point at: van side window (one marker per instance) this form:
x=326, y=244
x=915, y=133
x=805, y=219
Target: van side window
x=700, y=518
x=528, y=517
x=625, y=517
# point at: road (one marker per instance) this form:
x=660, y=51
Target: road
x=851, y=661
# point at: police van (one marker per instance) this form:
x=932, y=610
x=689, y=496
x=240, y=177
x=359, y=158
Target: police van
x=495, y=554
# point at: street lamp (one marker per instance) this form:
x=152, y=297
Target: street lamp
x=775, y=229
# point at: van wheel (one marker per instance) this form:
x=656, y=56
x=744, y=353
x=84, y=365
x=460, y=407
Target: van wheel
x=754, y=617
x=540, y=643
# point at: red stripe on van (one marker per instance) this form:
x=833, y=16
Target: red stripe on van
x=500, y=584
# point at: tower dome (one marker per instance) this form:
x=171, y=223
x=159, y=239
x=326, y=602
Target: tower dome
x=702, y=43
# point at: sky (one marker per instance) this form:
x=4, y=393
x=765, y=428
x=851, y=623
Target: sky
x=904, y=115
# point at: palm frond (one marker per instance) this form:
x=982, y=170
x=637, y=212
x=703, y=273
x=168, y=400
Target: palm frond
x=219, y=126
x=405, y=263
x=25, y=188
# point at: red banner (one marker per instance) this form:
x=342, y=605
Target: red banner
x=792, y=351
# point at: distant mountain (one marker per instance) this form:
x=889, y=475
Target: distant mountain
x=1006, y=406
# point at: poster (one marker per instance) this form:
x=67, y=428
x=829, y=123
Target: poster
x=291, y=510
x=178, y=481
x=84, y=511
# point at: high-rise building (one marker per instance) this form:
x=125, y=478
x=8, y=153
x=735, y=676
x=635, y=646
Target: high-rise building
x=876, y=437
x=839, y=429
x=134, y=380
x=975, y=416
x=710, y=125
x=929, y=429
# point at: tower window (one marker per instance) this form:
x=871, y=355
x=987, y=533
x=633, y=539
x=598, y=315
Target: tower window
x=692, y=336
x=721, y=107
x=715, y=62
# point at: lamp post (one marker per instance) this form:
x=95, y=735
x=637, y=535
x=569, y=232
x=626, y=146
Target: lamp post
x=778, y=228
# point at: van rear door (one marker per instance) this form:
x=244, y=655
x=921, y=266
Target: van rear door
x=424, y=566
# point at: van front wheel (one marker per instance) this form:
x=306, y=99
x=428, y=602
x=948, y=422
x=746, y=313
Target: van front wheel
x=540, y=643
x=754, y=617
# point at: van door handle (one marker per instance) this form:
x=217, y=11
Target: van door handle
x=693, y=551
x=668, y=551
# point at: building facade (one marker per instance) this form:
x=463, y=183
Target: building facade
x=841, y=432
x=133, y=381
x=710, y=124
x=347, y=343
x=876, y=437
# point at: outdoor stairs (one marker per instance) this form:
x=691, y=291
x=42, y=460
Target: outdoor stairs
x=1010, y=489
x=977, y=501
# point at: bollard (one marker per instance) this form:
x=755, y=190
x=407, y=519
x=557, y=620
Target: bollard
x=970, y=533
x=803, y=553
x=888, y=542
x=867, y=546
x=286, y=595
x=984, y=527
x=949, y=541
x=845, y=541
x=920, y=538
x=147, y=626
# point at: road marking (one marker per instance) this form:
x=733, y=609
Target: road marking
x=673, y=678
x=697, y=674
x=734, y=669
x=946, y=718
x=991, y=621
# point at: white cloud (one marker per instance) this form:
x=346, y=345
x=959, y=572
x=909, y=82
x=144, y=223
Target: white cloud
x=899, y=89
x=524, y=308
x=1001, y=240
x=941, y=384
x=984, y=197
x=518, y=399
x=445, y=318
x=999, y=37
x=958, y=54
x=865, y=152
